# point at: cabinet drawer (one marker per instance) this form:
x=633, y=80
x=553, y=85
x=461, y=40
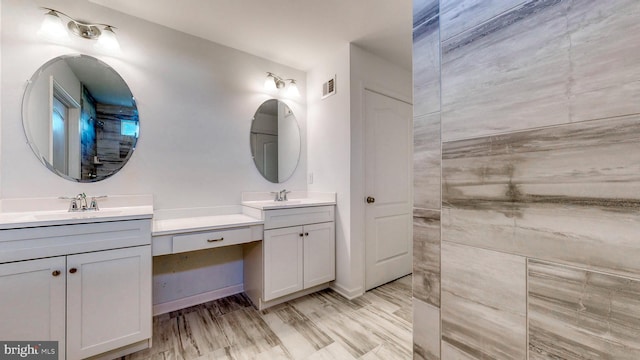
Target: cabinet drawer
x=48, y=241
x=297, y=216
x=210, y=239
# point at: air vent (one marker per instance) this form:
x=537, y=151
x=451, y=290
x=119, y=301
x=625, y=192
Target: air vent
x=329, y=88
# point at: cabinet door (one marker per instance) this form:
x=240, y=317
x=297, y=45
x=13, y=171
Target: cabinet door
x=282, y=262
x=319, y=254
x=32, y=301
x=108, y=300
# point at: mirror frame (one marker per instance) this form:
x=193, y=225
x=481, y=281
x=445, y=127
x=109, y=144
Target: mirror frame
x=27, y=129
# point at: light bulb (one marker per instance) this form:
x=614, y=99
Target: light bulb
x=270, y=83
x=52, y=28
x=107, y=40
x=292, y=90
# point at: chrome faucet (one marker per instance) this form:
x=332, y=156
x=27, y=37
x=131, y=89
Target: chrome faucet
x=79, y=202
x=280, y=195
x=277, y=196
x=94, y=202
x=283, y=194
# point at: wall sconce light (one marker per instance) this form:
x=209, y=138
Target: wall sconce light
x=53, y=28
x=274, y=82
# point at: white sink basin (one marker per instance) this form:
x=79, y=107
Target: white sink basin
x=11, y=220
x=88, y=214
x=271, y=204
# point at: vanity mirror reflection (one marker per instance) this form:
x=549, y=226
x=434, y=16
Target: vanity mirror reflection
x=80, y=118
x=275, y=141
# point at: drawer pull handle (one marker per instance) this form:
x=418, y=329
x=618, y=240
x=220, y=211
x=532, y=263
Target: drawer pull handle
x=73, y=270
x=214, y=240
x=55, y=272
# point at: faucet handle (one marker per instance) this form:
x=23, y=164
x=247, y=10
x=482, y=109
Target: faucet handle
x=283, y=194
x=73, y=205
x=94, y=202
x=277, y=195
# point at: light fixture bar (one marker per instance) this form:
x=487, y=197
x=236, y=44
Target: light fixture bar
x=80, y=28
x=86, y=30
x=274, y=82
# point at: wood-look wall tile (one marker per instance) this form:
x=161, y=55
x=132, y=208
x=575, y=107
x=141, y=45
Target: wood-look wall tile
x=568, y=193
x=578, y=314
x=509, y=73
x=458, y=16
x=426, y=256
x=426, y=67
x=452, y=353
x=424, y=10
x=426, y=331
x=484, y=302
x=427, y=161
x=605, y=58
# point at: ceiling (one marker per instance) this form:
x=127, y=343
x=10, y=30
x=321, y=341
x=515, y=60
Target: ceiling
x=297, y=33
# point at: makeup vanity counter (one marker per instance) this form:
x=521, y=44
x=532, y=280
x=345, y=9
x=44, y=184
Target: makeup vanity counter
x=181, y=230
x=288, y=246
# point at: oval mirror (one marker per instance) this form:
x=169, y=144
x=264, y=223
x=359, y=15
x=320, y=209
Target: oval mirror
x=275, y=141
x=80, y=118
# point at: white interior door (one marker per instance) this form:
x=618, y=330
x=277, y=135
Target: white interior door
x=388, y=218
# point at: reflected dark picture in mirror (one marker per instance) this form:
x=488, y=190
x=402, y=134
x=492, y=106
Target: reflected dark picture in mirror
x=80, y=118
x=275, y=141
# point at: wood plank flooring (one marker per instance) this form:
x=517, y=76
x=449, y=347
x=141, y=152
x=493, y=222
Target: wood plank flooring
x=320, y=326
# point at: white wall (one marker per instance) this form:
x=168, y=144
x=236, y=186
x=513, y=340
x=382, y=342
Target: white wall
x=371, y=72
x=336, y=146
x=196, y=100
x=328, y=134
x=0, y=98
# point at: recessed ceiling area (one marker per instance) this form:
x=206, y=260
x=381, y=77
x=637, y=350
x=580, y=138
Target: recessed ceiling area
x=296, y=33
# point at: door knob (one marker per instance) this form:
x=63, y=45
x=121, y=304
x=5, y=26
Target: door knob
x=73, y=270
x=55, y=272
x=370, y=200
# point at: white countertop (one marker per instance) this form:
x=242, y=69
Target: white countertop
x=51, y=218
x=293, y=203
x=264, y=200
x=28, y=213
x=201, y=223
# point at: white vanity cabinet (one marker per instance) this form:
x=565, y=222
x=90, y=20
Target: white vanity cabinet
x=32, y=301
x=87, y=286
x=296, y=256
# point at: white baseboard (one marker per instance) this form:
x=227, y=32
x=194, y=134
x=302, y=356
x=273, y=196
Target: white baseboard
x=196, y=299
x=350, y=294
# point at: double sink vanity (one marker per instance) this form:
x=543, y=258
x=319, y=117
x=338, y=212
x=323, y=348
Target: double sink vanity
x=79, y=270
x=84, y=278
